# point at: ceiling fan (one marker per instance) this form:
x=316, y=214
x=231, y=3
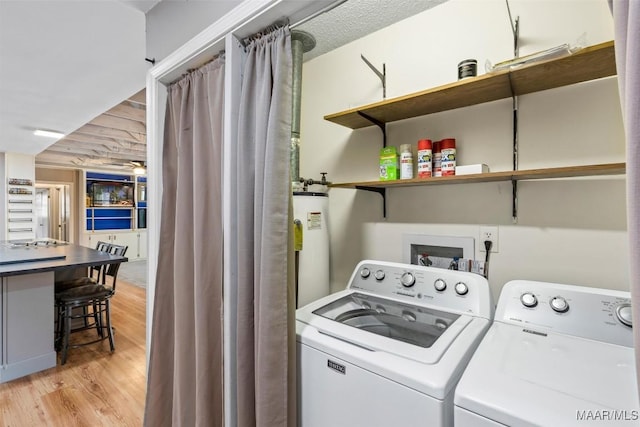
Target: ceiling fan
x=139, y=167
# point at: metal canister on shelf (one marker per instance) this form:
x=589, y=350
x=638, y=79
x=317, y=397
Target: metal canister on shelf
x=467, y=68
x=448, y=151
x=424, y=158
x=437, y=159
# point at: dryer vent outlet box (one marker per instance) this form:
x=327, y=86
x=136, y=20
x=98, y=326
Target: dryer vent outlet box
x=436, y=251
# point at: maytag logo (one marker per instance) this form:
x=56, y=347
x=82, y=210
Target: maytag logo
x=337, y=367
x=529, y=331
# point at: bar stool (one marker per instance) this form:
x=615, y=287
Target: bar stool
x=91, y=303
x=91, y=279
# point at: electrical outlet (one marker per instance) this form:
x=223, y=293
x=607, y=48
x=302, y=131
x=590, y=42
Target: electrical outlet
x=489, y=232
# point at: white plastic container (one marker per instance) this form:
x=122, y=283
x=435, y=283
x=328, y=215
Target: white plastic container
x=406, y=162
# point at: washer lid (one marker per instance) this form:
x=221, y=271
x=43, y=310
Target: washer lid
x=519, y=376
x=380, y=324
x=410, y=324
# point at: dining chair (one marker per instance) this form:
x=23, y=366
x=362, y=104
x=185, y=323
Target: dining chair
x=92, y=304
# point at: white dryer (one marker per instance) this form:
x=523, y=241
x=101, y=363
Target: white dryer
x=556, y=355
x=389, y=350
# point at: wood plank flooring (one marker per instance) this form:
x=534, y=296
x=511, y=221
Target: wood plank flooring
x=95, y=387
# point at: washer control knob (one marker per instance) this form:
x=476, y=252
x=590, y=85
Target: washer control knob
x=365, y=272
x=559, y=304
x=461, y=288
x=440, y=285
x=623, y=313
x=379, y=275
x=408, y=279
x=528, y=300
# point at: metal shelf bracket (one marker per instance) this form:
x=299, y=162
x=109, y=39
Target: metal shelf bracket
x=380, y=191
x=381, y=75
x=515, y=29
x=380, y=124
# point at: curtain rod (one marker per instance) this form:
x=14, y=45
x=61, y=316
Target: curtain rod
x=282, y=22
x=318, y=13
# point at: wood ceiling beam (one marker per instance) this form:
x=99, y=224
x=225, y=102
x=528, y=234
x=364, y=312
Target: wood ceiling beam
x=118, y=134
x=60, y=159
x=118, y=123
x=139, y=98
x=80, y=163
x=129, y=113
x=84, y=138
x=112, y=146
x=94, y=153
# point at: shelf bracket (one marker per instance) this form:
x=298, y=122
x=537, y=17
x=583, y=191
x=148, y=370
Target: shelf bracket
x=380, y=124
x=515, y=29
x=380, y=191
x=381, y=75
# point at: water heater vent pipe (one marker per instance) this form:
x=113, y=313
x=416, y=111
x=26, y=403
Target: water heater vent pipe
x=301, y=42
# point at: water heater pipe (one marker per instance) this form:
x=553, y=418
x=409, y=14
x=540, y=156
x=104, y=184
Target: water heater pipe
x=301, y=42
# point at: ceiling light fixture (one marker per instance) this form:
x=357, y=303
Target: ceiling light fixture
x=139, y=170
x=48, y=133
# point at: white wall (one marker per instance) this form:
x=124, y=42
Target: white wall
x=22, y=166
x=571, y=230
x=170, y=24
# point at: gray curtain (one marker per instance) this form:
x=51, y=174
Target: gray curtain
x=626, y=18
x=266, y=304
x=184, y=385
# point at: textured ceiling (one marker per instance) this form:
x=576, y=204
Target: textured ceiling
x=355, y=19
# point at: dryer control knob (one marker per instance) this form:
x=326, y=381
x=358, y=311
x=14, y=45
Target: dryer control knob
x=461, y=288
x=408, y=279
x=528, y=300
x=440, y=285
x=559, y=304
x=365, y=272
x=379, y=275
x=623, y=313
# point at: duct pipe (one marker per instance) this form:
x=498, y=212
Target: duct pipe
x=301, y=42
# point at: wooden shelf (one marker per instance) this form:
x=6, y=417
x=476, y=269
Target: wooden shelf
x=520, y=175
x=590, y=63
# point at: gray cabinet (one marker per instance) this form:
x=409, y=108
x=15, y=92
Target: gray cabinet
x=26, y=325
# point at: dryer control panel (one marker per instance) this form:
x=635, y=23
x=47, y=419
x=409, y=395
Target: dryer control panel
x=598, y=314
x=419, y=285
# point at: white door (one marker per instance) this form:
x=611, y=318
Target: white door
x=42, y=213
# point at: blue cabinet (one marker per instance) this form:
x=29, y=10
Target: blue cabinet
x=115, y=202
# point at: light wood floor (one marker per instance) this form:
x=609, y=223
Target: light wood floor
x=95, y=387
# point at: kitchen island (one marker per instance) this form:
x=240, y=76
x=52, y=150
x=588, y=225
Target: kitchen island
x=28, y=270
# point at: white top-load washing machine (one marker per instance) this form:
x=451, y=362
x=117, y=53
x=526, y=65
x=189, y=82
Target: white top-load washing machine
x=556, y=355
x=389, y=350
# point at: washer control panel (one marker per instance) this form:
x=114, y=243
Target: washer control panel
x=597, y=314
x=428, y=286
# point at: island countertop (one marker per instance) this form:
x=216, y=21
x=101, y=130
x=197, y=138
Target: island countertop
x=17, y=259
